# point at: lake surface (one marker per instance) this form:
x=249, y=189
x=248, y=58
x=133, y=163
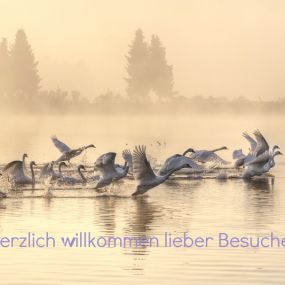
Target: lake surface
x=199, y=207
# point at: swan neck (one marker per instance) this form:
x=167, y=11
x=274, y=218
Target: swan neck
x=217, y=149
x=84, y=180
x=33, y=175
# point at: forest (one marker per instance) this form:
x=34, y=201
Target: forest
x=149, y=86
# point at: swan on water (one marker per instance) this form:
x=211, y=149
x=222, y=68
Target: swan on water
x=109, y=171
x=67, y=152
x=177, y=160
x=261, y=164
x=144, y=174
x=205, y=156
x=69, y=180
x=15, y=171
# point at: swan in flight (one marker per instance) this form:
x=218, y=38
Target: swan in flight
x=258, y=146
x=16, y=173
x=144, y=174
x=69, y=180
x=261, y=164
x=204, y=156
x=67, y=152
x=177, y=160
x=109, y=171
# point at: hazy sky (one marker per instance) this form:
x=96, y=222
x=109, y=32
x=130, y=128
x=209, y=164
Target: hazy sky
x=217, y=47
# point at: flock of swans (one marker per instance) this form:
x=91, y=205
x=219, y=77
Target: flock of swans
x=258, y=161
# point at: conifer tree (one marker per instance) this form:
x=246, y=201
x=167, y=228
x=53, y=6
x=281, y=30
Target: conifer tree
x=160, y=73
x=25, y=78
x=137, y=68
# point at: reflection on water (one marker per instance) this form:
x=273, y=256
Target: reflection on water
x=200, y=207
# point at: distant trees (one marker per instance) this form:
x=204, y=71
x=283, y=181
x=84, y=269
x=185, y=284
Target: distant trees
x=18, y=68
x=4, y=68
x=148, y=70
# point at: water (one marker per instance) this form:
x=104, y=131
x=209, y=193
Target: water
x=202, y=207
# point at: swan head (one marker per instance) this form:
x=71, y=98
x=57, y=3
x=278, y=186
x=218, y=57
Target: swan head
x=278, y=153
x=62, y=163
x=32, y=163
x=275, y=147
x=224, y=147
x=81, y=167
x=25, y=156
x=190, y=149
x=91, y=145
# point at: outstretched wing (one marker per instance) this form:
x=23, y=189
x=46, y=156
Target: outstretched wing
x=62, y=147
x=262, y=145
x=251, y=141
x=127, y=156
x=14, y=168
x=141, y=166
x=105, y=163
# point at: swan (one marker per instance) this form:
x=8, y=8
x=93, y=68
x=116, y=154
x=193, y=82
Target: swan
x=72, y=180
x=144, y=173
x=261, y=164
x=175, y=161
x=109, y=171
x=48, y=171
x=258, y=146
x=204, y=156
x=16, y=174
x=67, y=152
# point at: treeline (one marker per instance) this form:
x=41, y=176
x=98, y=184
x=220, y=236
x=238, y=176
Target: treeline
x=149, y=86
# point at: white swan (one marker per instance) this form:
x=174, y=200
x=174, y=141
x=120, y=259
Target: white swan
x=177, y=160
x=204, y=156
x=69, y=180
x=261, y=164
x=16, y=173
x=144, y=174
x=67, y=152
x=109, y=171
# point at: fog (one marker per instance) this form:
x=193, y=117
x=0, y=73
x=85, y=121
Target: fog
x=218, y=48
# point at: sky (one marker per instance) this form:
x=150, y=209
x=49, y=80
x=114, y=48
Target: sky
x=217, y=47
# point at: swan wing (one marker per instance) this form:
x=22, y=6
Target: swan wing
x=14, y=168
x=127, y=156
x=262, y=145
x=261, y=159
x=251, y=141
x=62, y=147
x=141, y=166
x=105, y=163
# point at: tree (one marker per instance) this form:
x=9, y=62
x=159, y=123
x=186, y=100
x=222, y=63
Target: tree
x=24, y=67
x=161, y=74
x=137, y=68
x=4, y=68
